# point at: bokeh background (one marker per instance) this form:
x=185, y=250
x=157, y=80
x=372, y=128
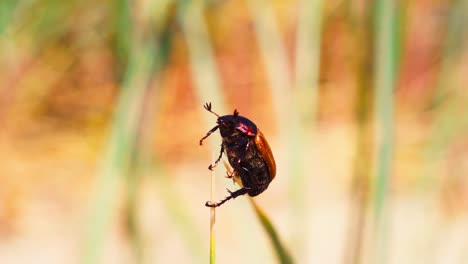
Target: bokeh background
x=364, y=104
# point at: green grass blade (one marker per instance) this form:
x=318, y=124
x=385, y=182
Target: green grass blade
x=117, y=158
x=206, y=78
x=283, y=255
x=281, y=252
x=122, y=142
x=213, y=214
x=386, y=58
x=123, y=35
x=278, y=72
x=208, y=85
x=362, y=27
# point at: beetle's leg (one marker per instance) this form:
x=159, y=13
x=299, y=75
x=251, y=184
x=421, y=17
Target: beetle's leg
x=232, y=195
x=219, y=158
x=208, y=134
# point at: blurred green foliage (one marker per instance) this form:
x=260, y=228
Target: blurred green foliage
x=364, y=105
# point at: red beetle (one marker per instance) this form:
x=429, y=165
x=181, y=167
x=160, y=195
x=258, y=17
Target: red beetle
x=247, y=151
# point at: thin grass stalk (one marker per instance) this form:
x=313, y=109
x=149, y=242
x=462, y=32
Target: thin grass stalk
x=201, y=56
x=385, y=75
x=206, y=79
x=123, y=25
x=359, y=201
x=213, y=214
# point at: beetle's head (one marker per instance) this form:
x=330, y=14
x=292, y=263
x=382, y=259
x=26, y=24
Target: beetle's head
x=237, y=123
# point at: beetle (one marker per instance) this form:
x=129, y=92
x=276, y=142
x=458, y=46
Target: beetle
x=247, y=151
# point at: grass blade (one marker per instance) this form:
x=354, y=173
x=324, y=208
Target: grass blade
x=212, y=215
x=386, y=58
x=118, y=156
x=115, y=161
x=283, y=255
x=359, y=200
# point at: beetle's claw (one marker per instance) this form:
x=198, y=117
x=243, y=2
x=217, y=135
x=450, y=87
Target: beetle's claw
x=229, y=191
x=236, y=113
x=229, y=176
x=209, y=204
x=210, y=167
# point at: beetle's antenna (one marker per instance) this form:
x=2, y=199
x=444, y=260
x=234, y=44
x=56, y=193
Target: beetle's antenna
x=208, y=108
x=232, y=195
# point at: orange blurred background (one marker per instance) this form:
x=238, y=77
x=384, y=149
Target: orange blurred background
x=101, y=115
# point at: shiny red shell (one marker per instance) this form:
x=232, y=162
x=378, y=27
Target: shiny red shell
x=265, y=150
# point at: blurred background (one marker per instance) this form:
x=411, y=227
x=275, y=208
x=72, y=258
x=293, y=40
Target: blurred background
x=364, y=104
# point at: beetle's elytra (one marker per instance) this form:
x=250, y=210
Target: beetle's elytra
x=247, y=151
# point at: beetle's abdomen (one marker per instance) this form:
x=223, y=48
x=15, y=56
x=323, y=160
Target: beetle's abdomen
x=247, y=162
